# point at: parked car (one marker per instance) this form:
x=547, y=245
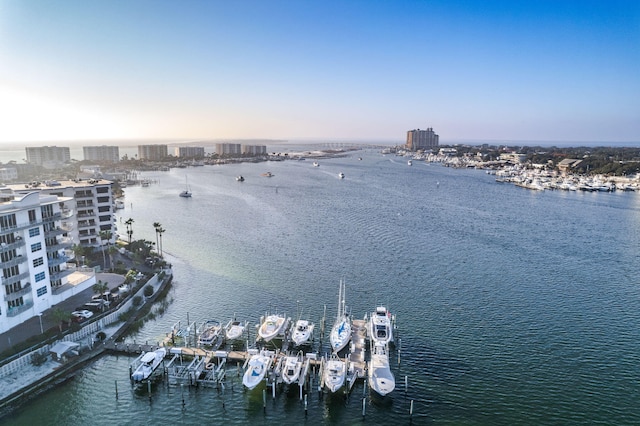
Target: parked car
x=81, y=315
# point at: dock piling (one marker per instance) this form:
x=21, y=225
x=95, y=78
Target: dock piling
x=116, y=389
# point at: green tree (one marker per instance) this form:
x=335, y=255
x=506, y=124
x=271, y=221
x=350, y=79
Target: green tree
x=60, y=317
x=100, y=288
x=156, y=226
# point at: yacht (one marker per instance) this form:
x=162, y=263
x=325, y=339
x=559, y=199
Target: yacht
x=257, y=368
x=334, y=373
x=410, y=162
x=341, y=175
x=292, y=367
x=341, y=330
x=380, y=328
x=381, y=379
x=271, y=327
x=240, y=178
x=149, y=361
x=302, y=332
x=315, y=164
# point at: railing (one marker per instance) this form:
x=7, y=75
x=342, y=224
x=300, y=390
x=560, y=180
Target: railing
x=15, y=278
x=15, y=245
x=16, y=260
x=12, y=312
x=60, y=275
x=55, y=261
x=26, y=289
x=52, y=217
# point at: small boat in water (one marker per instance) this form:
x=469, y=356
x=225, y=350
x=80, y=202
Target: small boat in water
x=209, y=333
x=149, y=361
x=341, y=331
x=334, y=373
x=302, y=332
x=315, y=164
x=292, y=367
x=268, y=174
x=257, y=368
x=380, y=327
x=381, y=379
x=240, y=178
x=409, y=163
x=271, y=327
x=187, y=192
x=234, y=330
x=341, y=175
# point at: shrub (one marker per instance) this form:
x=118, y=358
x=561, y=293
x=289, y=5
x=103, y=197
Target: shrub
x=101, y=336
x=137, y=301
x=148, y=291
x=38, y=358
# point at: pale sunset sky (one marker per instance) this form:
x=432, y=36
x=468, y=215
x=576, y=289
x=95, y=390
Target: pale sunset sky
x=328, y=70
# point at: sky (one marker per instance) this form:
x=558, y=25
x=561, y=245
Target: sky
x=369, y=70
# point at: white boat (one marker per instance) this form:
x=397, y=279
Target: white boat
x=234, y=330
x=187, y=191
x=268, y=174
x=240, y=178
x=302, y=332
x=209, y=333
x=292, y=367
x=271, y=327
x=334, y=373
x=257, y=368
x=381, y=379
x=341, y=330
x=409, y=162
x=341, y=175
x=380, y=326
x=315, y=164
x=149, y=361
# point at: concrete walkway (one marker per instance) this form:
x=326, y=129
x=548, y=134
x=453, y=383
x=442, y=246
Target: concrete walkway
x=31, y=327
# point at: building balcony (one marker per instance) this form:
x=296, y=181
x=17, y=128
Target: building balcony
x=17, y=260
x=53, y=232
x=12, y=312
x=83, y=195
x=86, y=224
x=26, y=289
x=55, y=261
x=15, y=245
x=61, y=274
x=52, y=218
x=15, y=278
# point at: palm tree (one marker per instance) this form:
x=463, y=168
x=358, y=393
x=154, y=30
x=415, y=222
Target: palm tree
x=100, y=288
x=129, y=223
x=112, y=250
x=104, y=235
x=156, y=226
x=60, y=316
x=160, y=231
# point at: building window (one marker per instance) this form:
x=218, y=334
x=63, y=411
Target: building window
x=39, y=276
x=42, y=291
x=34, y=232
x=38, y=262
x=36, y=247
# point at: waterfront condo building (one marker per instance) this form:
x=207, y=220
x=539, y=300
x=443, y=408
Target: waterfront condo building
x=422, y=139
x=254, y=150
x=105, y=153
x=189, y=151
x=152, y=152
x=34, y=249
x=49, y=157
x=228, y=149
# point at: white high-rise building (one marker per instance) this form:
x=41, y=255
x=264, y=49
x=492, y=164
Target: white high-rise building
x=49, y=157
x=422, y=139
x=101, y=153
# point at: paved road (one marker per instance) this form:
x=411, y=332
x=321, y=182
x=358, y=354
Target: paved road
x=31, y=327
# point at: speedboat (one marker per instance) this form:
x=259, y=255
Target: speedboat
x=240, y=178
x=209, y=332
x=315, y=164
x=380, y=326
x=409, y=162
x=271, y=327
x=302, y=332
x=381, y=379
x=341, y=330
x=341, y=175
x=234, y=330
x=268, y=174
x=185, y=194
x=334, y=373
x=292, y=367
x=149, y=361
x=257, y=368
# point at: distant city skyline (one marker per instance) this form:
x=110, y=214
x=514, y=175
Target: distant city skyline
x=77, y=72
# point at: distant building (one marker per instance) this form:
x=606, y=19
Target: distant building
x=152, y=152
x=254, y=150
x=189, y=151
x=8, y=174
x=228, y=149
x=422, y=139
x=49, y=157
x=101, y=153
x=567, y=164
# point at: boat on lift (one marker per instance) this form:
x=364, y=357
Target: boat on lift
x=271, y=326
x=148, y=362
x=234, y=330
x=257, y=368
x=302, y=332
x=292, y=367
x=209, y=332
x=380, y=326
x=334, y=374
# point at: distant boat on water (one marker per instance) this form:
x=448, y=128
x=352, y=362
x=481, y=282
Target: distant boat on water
x=187, y=191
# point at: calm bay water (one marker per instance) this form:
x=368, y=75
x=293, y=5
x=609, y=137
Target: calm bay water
x=513, y=306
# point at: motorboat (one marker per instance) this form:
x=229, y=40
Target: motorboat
x=257, y=368
x=381, y=379
x=341, y=175
x=292, y=367
x=380, y=327
x=341, y=330
x=302, y=332
x=119, y=204
x=271, y=326
x=315, y=164
x=334, y=373
x=234, y=330
x=409, y=162
x=268, y=174
x=209, y=332
x=240, y=178
x=149, y=361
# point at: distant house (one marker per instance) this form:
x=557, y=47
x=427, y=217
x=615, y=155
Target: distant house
x=567, y=164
